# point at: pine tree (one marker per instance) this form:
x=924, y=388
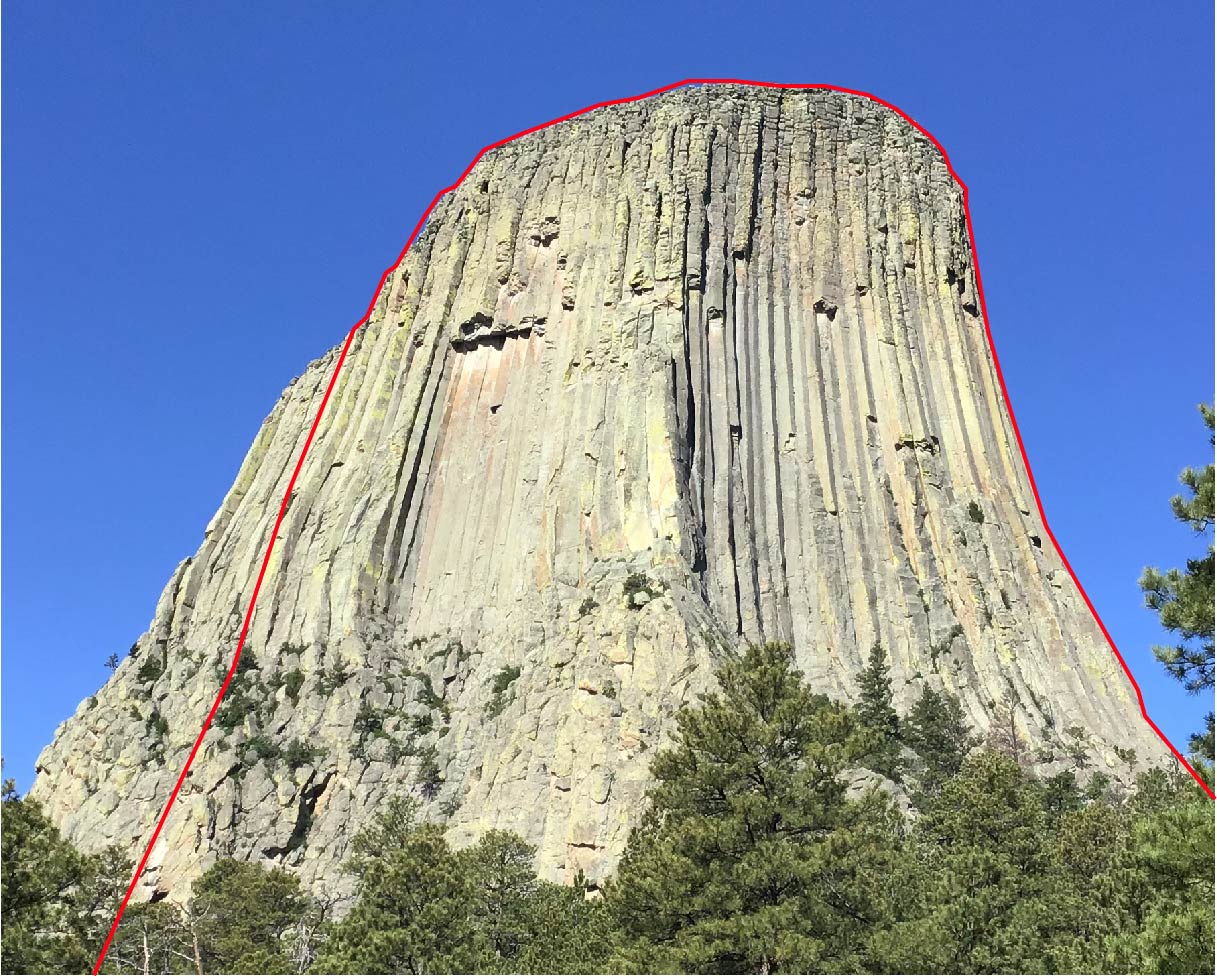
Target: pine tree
x=877, y=713
x=244, y=916
x=936, y=730
x=969, y=888
x=1184, y=598
x=527, y=925
x=751, y=857
x=413, y=913
x=505, y=885
x=57, y=902
x=1170, y=863
x=568, y=932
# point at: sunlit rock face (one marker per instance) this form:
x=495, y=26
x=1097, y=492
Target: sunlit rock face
x=669, y=376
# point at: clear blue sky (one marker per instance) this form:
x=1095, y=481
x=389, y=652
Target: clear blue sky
x=200, y=198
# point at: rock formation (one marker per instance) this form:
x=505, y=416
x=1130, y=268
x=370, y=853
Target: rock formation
x=668, y=376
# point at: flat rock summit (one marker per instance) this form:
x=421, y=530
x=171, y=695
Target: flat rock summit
x=661, y=379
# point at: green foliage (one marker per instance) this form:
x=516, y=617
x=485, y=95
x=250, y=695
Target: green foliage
x=242, y=914
x=57, y=902
x=935, y=729
x=241, y=918
x=263, y=749
x=429, y=772
x=981, y=841
x=112, y=662
x=332, y=678
x=152, y=668
x=423, y=907
x=499, y=687
x=157, y=727
x=751, y=857
x=637, y=583
x=1183, y=598
x=1006, y=873
x=368, y=721
x=587, y=606
x=412, y=914
x=428, y=696
x=975, y=513
x=245, y=694
x=758, y=853
x=297, y=753
x=1171, y=860
x=877, y=714
x=151, y=938
x=293, y=681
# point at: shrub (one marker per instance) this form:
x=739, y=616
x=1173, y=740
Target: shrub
x=368, y=721
x=975, y=513
x=944, y=645
x=499, y=699
x=427, y=695
x=297, y=753
x=428, y=772
x=638, y=583
x=156, y=725
x=293, y=682
x=233, y=711
x=150, y=670
x=332, y=679
x=262, y=747
x=245, y=695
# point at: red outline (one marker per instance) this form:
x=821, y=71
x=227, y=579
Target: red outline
x=351, y=335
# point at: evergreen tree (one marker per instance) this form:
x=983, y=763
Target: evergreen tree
x=1183, y=599
x=529, y=925
x=969, y=888
x=936, y=730
x=57, y=903
x=751, y=857
x=1004, y=736
x=876, y=712
x=505, y=886
x=569, y=932
x=413, y=911
x=245, y=917
x=1170, y=863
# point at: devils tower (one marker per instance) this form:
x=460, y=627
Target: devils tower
x=660, y=379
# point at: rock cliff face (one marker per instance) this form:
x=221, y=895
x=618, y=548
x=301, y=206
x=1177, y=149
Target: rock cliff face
x=663, y=378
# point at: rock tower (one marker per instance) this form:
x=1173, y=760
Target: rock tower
x=666, y=377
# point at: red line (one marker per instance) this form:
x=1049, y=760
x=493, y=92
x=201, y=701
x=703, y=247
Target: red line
x=355, y=328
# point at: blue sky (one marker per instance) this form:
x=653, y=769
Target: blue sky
x=200, y=198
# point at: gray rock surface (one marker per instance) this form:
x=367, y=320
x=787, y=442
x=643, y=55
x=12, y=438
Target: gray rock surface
x=665, y=377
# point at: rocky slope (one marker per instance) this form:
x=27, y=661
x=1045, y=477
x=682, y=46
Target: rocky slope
x=671, y=375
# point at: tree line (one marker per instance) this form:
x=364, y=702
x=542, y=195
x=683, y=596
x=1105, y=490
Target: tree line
x=769, y=845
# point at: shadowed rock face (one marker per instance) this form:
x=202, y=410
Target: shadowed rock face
x=651, y=382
